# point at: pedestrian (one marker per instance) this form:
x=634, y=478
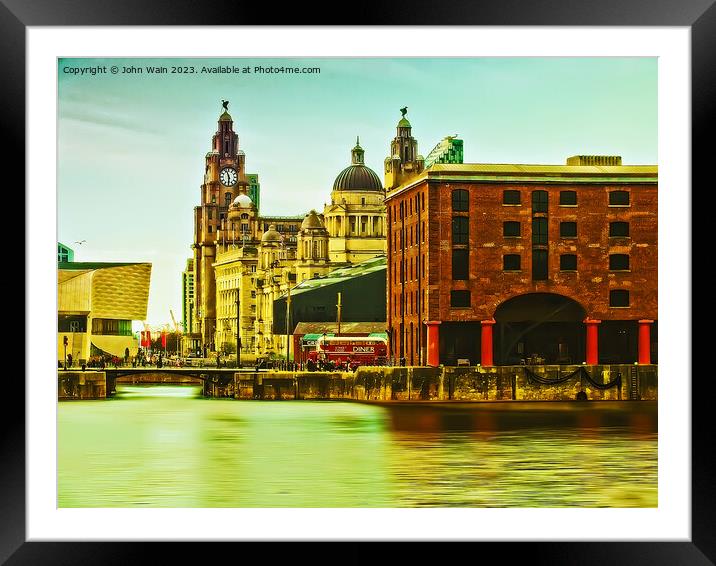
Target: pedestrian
x=69, y=360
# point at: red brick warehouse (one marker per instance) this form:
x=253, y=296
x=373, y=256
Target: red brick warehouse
x=500, y=264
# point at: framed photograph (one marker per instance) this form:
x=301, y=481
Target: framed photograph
x=203, y=177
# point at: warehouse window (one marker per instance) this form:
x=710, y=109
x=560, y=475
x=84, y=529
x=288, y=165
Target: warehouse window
x=511, y=262
x=619, y=198
x=619, y=298
x=618, y=262
x=511, y=197
x=539, y=231
x=460, y=200
x=460, y=299
x=539, y=201
x=460, y=264
x=567, y=198
x=568, y=262
x=618, y=229
x=539, y=265
x=511, y=229
x=568, y=229
x=460, y=229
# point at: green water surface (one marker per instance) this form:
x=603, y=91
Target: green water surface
x=164, y=446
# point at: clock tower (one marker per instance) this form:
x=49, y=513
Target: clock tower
x=224, y=180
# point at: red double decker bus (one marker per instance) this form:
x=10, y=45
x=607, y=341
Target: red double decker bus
x=348, y=352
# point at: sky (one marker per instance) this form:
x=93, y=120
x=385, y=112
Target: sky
x=131, y=146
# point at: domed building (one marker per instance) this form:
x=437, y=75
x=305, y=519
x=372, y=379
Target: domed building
x=242, y=260
x=312, y=248
x=355, y=218
x=245, y=259
x=241, y=221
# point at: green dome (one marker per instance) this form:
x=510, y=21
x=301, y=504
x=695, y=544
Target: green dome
x=225, y=117
x=357, y=177
x=404, y=123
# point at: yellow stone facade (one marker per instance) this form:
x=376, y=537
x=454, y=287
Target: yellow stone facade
x=96, y=303
x=239, y=253
x=355, y=218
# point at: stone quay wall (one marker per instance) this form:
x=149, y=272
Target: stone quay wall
x=504, y=383
x=81, y=385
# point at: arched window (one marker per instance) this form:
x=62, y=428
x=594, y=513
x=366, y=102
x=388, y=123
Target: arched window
x=619, y=198
x=511, y=262
x=460, y=229
x=460, y=264
x=619, y=298
x=511, y=197
x=568, y=262
x=568, y=198
x=539, y=265
x=618, y=262
x=539, y=231
x=539, y=201
x=511, y=229
x=618, y=229
x=568, y=229
x=460, y=200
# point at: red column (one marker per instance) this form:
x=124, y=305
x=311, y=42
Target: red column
x=645, y=341
x=592, y=341
x=433, y=343
x=486, y=343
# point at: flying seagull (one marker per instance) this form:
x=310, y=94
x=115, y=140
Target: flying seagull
x=80, y=243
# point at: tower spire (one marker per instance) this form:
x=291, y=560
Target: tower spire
x=357, y=153
x=403, y=161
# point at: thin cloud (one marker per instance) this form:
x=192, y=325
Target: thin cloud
x=101, y=118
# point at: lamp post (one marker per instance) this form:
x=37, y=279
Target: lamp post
x=288, y=323
x=338, y=306
x=323, y=348
x=238, y=334
x=201, y=333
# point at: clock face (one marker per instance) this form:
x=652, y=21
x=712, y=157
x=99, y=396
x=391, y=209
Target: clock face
x=228, y=176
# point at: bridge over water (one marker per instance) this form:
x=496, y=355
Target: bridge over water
x=212, y=377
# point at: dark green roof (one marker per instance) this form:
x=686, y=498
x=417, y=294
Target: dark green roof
x=404, y=123
x=225, y=117
x=341, y=274
x=77, y=265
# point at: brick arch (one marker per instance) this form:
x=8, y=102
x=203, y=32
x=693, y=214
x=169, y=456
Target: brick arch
x=554, y=307
x=532, y=326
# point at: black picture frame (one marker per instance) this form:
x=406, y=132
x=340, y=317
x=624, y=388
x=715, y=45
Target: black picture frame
x=17, y=15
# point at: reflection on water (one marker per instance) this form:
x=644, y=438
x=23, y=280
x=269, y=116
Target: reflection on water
x=163, y=446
